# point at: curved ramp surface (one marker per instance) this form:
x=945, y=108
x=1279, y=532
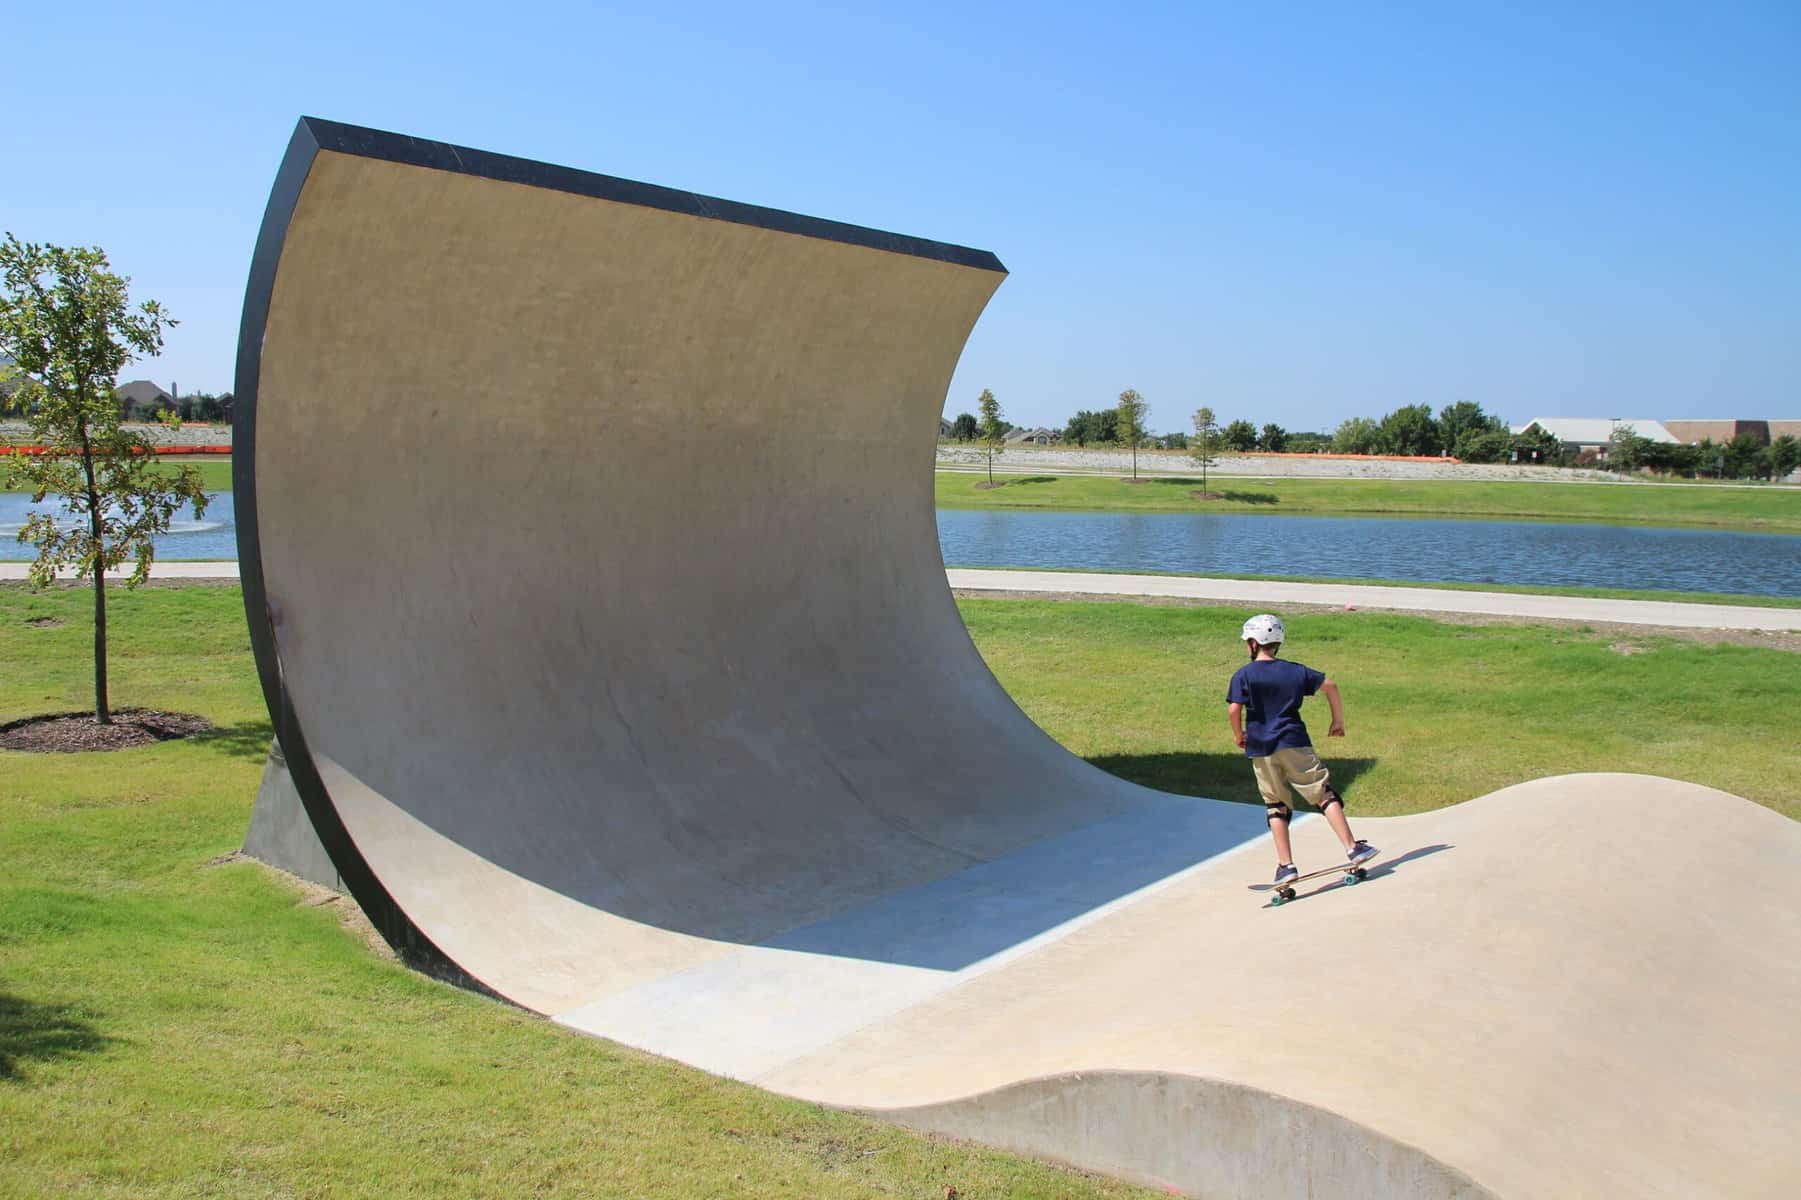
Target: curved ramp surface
x=589, y=557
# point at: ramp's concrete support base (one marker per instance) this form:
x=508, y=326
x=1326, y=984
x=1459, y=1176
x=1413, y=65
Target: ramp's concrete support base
x=281, y=834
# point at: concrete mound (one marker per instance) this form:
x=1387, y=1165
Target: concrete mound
x=692, y=750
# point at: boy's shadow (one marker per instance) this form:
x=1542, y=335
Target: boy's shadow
x=1220, y=776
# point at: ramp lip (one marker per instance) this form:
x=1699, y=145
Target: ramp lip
x=359, y=878
x=505, y=168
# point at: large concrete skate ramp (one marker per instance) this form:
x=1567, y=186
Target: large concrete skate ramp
x=588, y=550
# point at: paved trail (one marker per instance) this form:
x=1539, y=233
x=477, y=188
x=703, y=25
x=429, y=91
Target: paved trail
x=1255, y=591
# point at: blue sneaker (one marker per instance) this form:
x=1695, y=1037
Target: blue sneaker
x=1361, y=853
x=1286, y=875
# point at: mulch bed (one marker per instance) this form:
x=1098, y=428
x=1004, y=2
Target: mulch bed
x=983, y=487
x=74, y=733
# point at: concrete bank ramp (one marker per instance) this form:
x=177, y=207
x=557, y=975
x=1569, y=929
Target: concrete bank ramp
x=689, y=748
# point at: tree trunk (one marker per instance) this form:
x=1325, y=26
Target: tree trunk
x=102, y=711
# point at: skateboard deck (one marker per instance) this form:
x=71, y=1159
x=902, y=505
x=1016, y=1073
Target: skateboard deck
x=1352, y=875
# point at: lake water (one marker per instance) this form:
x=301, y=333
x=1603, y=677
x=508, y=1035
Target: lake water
x=212, y=538
x=1694, y=560
x=1521, y=552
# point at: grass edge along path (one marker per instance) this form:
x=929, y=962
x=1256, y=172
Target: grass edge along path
x=1750, y=509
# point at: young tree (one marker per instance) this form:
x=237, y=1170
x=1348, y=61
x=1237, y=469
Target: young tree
x=1785, y=456
x=1240, y=436
x=964, y=428
x=994, y=430
x=66, y=321
x=1274, y=439
x=1356, y=435
x=1133, y=409
x=1200, y=447
x=1626, y=449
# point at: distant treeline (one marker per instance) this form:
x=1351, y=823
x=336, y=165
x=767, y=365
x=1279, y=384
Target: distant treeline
x=1463, y=431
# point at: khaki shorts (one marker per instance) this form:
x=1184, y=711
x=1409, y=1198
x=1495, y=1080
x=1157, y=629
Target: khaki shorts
x=1296, y=767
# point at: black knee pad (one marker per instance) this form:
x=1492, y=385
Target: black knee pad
x=1330, y=799
x=1276, y=812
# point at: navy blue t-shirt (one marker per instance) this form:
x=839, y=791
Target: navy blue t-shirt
x=1271, y=693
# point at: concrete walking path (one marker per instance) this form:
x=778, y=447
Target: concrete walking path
x=1408, y=599
x=1669, y=614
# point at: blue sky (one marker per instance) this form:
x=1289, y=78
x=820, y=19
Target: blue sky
x=1293, y=216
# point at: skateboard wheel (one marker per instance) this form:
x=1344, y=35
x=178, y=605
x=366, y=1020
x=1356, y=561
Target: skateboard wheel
x=1361, y=873
x=1288, y=893
x=1351, y=877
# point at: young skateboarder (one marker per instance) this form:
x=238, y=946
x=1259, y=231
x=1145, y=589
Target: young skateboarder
x=1263, y=704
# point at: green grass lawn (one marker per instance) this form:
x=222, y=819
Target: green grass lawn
x=171, y=1028
x=1437, y=712
x=1770, y=510
x=215, y=471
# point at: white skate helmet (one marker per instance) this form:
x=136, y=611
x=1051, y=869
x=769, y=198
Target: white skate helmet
x=1265, y=629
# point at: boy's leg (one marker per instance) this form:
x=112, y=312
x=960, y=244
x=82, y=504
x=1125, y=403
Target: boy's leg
x=1309, y=777
x=1275, y=807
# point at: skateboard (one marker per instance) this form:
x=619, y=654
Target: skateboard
x=1352, y=875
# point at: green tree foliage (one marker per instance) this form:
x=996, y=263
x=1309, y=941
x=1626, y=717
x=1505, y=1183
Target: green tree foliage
x=1465, y=419
x=1356, y=436
x=1484, y=446
x=1132, y=410
x=1745, y=457
x=1240, y=436
x=1535, y=446
x=67, y=324
x=1785, y=456
x=964, y=428
x=1309, y=443
x=994, y=430
x=1100, y=427
x=1273, y=439
x=1409, y=429
x=1173, y=441
x=1206, y=437
x=1626, y=450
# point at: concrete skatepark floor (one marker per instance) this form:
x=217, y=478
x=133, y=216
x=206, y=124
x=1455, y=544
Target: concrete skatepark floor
x=729, y=782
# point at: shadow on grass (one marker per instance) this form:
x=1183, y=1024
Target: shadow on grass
x=1025, y=479
x=1193, y=483
x=31, y=1032
x=1219, y=776
x=248, y=740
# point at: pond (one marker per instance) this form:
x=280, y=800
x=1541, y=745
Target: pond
x=1425, y=551
x=213, y=538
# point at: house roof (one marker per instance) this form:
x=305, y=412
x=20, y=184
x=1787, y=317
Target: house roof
x=1596, y=430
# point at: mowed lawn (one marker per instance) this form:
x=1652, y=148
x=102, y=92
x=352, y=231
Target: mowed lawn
x=1436, y=712
x=174, y=1028
x=1759, y=508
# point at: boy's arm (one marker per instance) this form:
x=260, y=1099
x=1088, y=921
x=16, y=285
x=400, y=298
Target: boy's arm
x=1330, y=689
x=1235, y=715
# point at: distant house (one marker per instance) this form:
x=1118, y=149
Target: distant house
x=1592, y=434
x=944, y=427
x=142, y=395
x=1033, y=437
